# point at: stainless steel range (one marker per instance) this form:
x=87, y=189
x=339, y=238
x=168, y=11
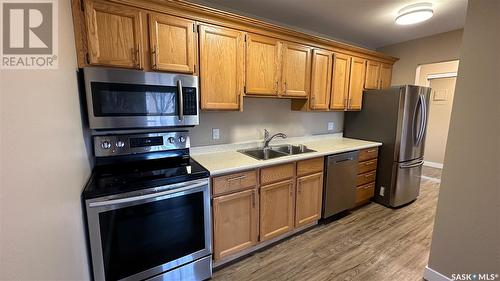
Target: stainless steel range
x=147, y=207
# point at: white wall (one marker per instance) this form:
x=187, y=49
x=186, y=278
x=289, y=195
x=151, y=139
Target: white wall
x=435, y=48
x=259, y=114
x=43, y=169
x=466, y=236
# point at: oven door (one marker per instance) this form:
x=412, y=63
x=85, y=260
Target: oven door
x=140, y=234
x=120, y=98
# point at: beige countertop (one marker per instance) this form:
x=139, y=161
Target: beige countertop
x=223, y=159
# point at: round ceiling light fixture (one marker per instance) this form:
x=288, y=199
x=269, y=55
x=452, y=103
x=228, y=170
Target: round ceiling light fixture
x=414, y=13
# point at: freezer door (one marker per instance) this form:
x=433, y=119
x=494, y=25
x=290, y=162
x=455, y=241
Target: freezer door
x=413, y=123
x=407, y=184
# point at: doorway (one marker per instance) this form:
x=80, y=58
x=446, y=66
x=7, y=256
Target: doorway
x=441, y=77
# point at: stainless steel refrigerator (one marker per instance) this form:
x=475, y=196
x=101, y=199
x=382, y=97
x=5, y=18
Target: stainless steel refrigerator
x=397, y=117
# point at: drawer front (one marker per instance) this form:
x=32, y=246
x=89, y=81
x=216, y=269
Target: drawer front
x=365, y=192
x=277, y=173
x=367, y=166
x=310, y=166
x=366, y=178
x=367, y=154
x=234, y=182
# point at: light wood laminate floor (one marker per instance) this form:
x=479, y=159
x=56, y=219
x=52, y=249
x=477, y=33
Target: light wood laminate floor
x=373, y=243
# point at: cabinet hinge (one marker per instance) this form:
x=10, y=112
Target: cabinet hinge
x=195, y=28
x=194, y=70
x=87, y=58
x=82, y=5
x=245, y=89
x=258, y=237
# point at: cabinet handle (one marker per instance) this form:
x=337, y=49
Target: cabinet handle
x=155, y=57
x=236, y=178
x=138, y=57
x=371, y=151
x=277, y=89
x=253, y=199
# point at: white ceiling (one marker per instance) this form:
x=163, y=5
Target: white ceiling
x=369, y=23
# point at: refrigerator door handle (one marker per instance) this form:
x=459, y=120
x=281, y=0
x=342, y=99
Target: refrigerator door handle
x=424, y=119
x=416, y=134
x=420, y=107
x=405, y=166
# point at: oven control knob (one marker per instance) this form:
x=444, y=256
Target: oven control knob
x=106, y=145
x=171, y=140
x=182, y=139
x=120, y=144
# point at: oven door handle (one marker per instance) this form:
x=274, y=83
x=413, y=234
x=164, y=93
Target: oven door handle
x=144, y=197
x=181, y=100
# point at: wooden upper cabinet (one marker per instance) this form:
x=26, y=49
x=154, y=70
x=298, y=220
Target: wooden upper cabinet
x=114, y=34
x=372, y=75
x=236, y=222
x=356, y=83
x=221, y=67
x=296, y=70
x=321, y=79
x=309, y=196
x=172, y=43
x=340, y=83
x=385, y=76
x=276, y=209
x=263, y=65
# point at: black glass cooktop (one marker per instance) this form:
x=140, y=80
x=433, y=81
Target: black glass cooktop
x=121, y=178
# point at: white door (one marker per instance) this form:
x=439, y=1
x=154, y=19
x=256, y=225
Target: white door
x=441, y=102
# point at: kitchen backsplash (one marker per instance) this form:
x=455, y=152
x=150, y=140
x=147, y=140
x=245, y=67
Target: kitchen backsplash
x=259, y=114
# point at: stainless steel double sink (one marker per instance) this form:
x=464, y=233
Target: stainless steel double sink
x=271, y=152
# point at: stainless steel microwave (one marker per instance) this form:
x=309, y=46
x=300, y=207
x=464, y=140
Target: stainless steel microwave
x=122, y=98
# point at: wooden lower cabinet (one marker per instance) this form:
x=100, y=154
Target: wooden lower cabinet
x=367, y=172
x=308, y=202
x=235, y=218
x=276, y=209
x=255, y=206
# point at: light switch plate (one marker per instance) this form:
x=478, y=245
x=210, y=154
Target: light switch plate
x=382, y=191
x=331, y=125
x=215, y=134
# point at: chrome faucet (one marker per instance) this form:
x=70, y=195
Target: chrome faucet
x=268, y=139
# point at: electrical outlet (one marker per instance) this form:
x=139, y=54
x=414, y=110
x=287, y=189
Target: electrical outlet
x=331, y=125
x=382, y=191
x=215, y=134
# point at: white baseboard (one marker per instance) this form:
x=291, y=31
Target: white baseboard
x=432, y=275
x=433, y=164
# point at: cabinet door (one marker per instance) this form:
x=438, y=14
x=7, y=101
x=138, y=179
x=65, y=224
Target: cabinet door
x=235, y=218
x=263, y=61
x=172, y=43
x=276, y=209
x=221, y=68
x=309, y=195
x=296, y=70
x=385, y=76
x=340, y=83
x=114, y=35
x=372, y=75
x=356, y=82
x=321, y=79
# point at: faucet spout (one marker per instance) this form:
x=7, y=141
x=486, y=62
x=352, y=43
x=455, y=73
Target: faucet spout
x=268, y=139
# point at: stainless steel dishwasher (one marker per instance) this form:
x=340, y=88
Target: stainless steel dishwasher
x=340, y=183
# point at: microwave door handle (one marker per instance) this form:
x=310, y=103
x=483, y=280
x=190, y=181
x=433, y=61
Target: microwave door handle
x=181, y=100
